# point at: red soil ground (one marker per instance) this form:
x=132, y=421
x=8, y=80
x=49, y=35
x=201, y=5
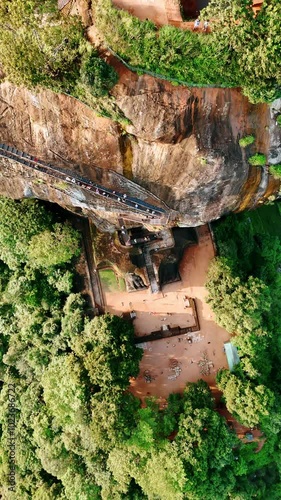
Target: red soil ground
x=171, y=363
x=160, y=12
x=163, y=12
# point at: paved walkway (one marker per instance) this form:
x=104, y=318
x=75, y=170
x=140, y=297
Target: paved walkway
x=94, y=275
x=150, y=270
x=122, y=198
x=83, y=225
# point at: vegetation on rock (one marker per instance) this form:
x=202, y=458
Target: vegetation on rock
x=275, y=170
x=237, y=52
x=246, y=141
x=257, y=160
x=39, y=47
x=97, y=74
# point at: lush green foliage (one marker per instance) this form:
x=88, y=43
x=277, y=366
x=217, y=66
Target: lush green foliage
x=237, y=52
x=194, y=463
x=19, y=222
x=70, y=372
x=253, y=42
x=275, y=170
x=80, y=432
x=240, y=305
x=245, y=400
x=97, y=74
x=278, y=119
x=246, y=141
x=39, y=47
x=257, y=160
x=52, y=248
x=244, y=287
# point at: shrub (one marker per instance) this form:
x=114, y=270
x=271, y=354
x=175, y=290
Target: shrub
x=192, y=58
x=278, y=119
x=52, y=248
x=98, y=75
x=246, y=141
x=257, y=160
x=275, y=170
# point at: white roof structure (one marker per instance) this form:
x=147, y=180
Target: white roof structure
x=232, y=355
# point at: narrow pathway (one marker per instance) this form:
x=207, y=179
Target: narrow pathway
x=122, y=198
x=93, y=272
x=150, y=270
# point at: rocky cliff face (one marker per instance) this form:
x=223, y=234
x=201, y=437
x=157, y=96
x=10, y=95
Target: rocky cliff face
x=185, y=145
x=181, y=144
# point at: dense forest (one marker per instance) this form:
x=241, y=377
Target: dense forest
x=244, y=285
x=80, y=434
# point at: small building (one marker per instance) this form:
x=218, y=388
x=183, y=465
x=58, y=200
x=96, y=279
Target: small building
x=232, y=355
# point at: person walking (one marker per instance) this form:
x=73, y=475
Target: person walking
x=205, y=25
x=196, y=24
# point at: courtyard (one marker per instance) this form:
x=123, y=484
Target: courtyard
x=169, y=363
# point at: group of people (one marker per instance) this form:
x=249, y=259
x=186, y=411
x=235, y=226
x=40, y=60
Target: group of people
x=197, y=23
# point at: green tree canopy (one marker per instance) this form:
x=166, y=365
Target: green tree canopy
x=41, y=48
x=108, y=351
x=113, y=418
x=239, y=307
x=248, y=402
x=97, y=74
x=253, y=42
x=19, y=222
x=241, y=49
x=53, y=248
x=37, y=46
x=205, y=444
x=64, y=391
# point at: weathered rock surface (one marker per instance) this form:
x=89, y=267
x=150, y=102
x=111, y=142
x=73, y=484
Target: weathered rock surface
x=181, y=144
x=58, y=128
x=80, y=8
x=159, y=11
x=186, y=147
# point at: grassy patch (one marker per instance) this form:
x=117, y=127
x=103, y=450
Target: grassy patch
x=111, y=282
